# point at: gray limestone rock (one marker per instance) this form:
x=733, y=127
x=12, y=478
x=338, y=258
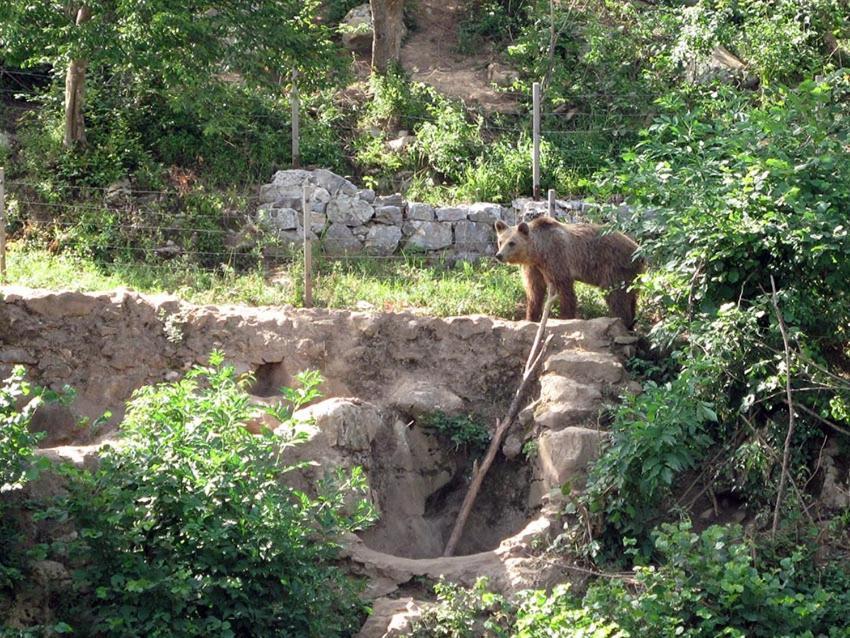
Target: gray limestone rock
x=420, y=212
x=333, y=183
x=429, y=235
x=339, y=240
x=474, y=236
x=349, y=210
x=451, y=214
x=388, y=215
x=382, y=240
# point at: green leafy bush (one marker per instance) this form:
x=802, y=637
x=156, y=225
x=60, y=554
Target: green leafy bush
x=18, y=465
x=704, y=586
x=449, y=143
x=655, y=435
x=780, y=40
x=187, y=529
x=17, y=443
x=464, y=613
x=709, y=584
x=464, y=431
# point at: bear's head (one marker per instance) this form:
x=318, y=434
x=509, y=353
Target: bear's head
x=513, y=243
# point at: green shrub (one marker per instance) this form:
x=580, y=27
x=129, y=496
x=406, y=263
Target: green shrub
x=464, y=431
x=396, y=102
x=709, y=585
x=490, y=21
x=464, y=613
x=655, y=436
x=18, y=465
x=450, y=142
x=186, y=528
x=704, y=586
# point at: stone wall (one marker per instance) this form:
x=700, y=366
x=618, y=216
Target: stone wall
x=351, y=221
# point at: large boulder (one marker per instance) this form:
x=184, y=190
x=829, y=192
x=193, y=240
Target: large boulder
x=566, y=455
x=356, y=28
x=418, y=398
x=284, y=185
x=473, y=236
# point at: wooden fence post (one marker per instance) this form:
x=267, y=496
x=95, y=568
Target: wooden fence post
x=296, y=121
x=535, y=157
x=308, y=250
x=2, y=225
x=551, y=199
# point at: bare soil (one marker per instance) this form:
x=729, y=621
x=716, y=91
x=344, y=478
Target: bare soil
x=430, y=54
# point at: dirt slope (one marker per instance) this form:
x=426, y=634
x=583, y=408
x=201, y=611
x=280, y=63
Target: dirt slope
x=430, y=54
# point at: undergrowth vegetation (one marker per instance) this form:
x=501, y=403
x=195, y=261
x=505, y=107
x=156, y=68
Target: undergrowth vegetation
x=711, y=584
x=188, y=527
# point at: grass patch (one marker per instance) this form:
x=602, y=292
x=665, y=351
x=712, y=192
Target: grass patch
x=437, y=289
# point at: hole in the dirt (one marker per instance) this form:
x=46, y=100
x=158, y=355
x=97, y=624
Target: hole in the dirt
x=501, y=510
x=420, y=485
x=269, y=378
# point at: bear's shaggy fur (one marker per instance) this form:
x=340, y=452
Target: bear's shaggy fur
x=560, y=254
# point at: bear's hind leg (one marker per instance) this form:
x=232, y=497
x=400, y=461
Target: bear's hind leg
x=535, y=292
x=622, y=303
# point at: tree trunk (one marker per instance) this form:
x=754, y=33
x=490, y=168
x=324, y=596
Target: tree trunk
x=75, y=91
x=387, y=23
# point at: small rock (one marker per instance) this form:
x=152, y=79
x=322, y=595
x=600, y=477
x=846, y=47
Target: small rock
x=349, y=210
x=451, y=214
x=396, y=199
x=625, y=340
x=399, y=144
x=388, y=215
x=339, y=240
x=512, y=446
x=430, y=236
x=367, y=195
x=119, y=191
x=382, y=240
x=420, y=212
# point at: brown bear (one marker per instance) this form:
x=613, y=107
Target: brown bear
x=556, y=253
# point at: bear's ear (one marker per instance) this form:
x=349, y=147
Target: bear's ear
x=500, y=226
x=523, y=228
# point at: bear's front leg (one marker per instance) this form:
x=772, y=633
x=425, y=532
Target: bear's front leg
x=535, y=292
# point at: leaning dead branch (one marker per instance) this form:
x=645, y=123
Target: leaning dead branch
x=535, y=357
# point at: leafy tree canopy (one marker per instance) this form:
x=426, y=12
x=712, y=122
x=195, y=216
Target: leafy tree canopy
x=177, y=43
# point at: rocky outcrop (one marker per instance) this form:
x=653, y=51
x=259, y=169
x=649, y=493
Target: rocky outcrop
x=382, y=373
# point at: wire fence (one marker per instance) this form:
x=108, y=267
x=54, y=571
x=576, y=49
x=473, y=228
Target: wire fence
x=161, y=229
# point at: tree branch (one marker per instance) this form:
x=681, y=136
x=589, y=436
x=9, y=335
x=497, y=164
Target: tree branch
x=535, y=358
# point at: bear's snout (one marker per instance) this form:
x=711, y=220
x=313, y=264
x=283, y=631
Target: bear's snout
x=500, y=257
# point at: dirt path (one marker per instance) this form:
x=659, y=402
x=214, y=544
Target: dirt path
x=430, y=55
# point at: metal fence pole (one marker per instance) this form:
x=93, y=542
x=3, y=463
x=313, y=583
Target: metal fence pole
x=535, y=158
